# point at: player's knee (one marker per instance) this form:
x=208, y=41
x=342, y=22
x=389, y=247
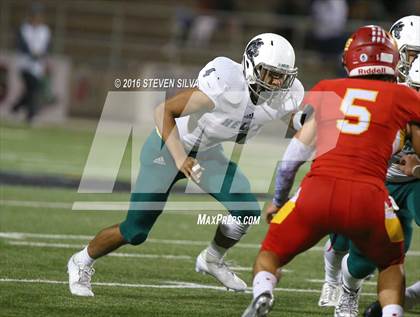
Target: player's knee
x=234, y=230
x=269, y=262
x=360, y=267
x=133, y=234
x=136, y=238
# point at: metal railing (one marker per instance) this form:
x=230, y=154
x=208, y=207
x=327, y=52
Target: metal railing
x=111, y=47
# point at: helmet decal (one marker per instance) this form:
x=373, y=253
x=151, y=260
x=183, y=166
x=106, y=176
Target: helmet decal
x=346, y=47
x=253, y=48
x=378, y=34
x=209, y=71
x=396, y=29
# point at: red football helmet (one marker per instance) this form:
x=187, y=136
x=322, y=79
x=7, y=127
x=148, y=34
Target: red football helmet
x=370, y=51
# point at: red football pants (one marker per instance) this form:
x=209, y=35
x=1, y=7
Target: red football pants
x=326, y=205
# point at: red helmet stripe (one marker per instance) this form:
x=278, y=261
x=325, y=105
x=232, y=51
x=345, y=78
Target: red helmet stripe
x=372, y=50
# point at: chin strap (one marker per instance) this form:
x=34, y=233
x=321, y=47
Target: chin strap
x=258, y=94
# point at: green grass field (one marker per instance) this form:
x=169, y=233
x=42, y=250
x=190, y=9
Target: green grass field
x=39, y=231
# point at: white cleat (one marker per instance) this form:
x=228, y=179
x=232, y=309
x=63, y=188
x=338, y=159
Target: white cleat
x=79, y=278
x=348, y=303
x=219, y=270
x=412, y=299
x=260, y=306
x=329, y=295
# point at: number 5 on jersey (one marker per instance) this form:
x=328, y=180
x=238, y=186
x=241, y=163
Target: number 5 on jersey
x=360, y=115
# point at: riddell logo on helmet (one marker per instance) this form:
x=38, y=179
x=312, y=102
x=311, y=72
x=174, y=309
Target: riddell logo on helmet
x=372, y=71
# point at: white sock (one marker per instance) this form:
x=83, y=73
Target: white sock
x=412, y=296
x=216, y=251
x=353, y=284
x=263, y=282
x=332, y=264
x=84, y=258
x=392, y=311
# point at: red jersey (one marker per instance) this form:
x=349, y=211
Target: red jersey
x=357, y=121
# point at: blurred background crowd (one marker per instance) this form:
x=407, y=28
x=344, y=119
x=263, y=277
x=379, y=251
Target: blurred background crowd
x=60, y=58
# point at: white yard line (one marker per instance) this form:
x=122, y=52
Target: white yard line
x=35, y=204
x=317, y=281
x=200, y=243
x=184, y=208
x=192, y=207
x=47, y=165
x=249, y=269
x=116, y=254
x=26, y=235
x=167, y=285
x=120, y=254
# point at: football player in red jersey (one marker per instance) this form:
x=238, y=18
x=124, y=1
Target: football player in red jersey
x=343, y=192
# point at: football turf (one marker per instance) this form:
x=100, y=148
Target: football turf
x=39, y=231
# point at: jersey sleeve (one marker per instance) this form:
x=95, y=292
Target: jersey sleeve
x=293, y=99
x=290, y=103
x=223, y=82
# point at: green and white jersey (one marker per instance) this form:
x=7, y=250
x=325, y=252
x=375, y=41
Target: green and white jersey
x=394, y=174
x=234, y=116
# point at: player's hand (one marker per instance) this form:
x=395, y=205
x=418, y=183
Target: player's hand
x=191, y=169
x=271, y=211
x=407, y=164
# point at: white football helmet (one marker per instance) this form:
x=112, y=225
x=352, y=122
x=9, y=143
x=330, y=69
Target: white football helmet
x=406, y=32
x=269, y=65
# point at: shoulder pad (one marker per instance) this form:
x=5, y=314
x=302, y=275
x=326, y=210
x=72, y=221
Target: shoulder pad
x=294, y=97
x=297, y=91
x=223, y=79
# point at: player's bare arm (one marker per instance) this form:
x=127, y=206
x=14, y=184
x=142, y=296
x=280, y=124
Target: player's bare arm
x=185, y=103
x=308, y=133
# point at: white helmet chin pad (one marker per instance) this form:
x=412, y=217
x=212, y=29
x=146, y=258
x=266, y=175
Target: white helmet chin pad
x=269, y=64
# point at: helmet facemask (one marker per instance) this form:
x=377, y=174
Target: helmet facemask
x=270, y=81
x=413, y=78
x=408, y=54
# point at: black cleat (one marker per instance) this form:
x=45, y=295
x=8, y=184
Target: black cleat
x=374, y=310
